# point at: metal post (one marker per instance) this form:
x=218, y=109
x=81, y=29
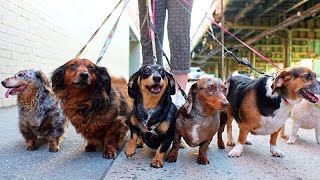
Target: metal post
x=216, y=69
x=289, y=49
x=253, y=63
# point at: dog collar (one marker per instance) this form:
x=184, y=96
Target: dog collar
x=281, y=95
x=151, y=129
x=198, y=112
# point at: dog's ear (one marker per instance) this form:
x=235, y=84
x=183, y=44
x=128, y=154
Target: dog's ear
x=191, y=95
x=281, y=79
x=171, y=83
x=57, y=79
x=103, y=79
x=133, y=87
x=44, y=80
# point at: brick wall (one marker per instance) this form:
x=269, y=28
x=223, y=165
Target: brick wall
x=43, y=34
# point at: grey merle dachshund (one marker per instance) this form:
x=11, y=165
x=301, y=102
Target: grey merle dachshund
x=39, y=115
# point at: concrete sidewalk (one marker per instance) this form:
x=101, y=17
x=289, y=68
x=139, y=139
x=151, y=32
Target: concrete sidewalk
x=71, y=162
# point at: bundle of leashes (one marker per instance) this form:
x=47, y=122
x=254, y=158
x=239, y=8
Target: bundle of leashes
x=109, y=37
x=242, y=61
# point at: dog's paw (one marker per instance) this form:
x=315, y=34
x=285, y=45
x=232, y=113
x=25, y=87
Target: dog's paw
x=230, y=143
x=32, y=148
x=110, y=152
x=129, y=152
x=236, y=151
x=140, y=143
x=90, y=148
x=221, y=145
x=248, y=142
x=203, y=160
x=291, y=140
x=53, y=149
x=274, y=150
x=172, y=158
x=156, y=163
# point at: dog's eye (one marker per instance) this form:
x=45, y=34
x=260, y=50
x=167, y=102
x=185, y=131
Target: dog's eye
x=90, y=68
x=210, y=88
x=21, y=75
x=147, y=70
x=308, y=76
x=161, y=71
x=73, y=66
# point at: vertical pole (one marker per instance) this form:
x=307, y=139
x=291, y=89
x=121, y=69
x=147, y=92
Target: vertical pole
x=216, y=69
x=254, y=63
x=223, y=70
x=289, y=49
x=284, y=51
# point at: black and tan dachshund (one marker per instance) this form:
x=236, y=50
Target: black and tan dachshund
x=152, y=118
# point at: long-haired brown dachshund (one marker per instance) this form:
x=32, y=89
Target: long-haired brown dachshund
x=97, y=105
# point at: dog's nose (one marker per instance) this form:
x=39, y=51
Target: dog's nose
x=156, y=78
x=225, y=104
x=3, y=83
x=84, y=75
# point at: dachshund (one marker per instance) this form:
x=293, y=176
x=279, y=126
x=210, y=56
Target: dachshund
x=262, y=106
x=152, y=117
x=198, y=120
x=39, y=114
x=96, y=104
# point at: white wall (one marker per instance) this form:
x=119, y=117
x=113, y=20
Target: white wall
x=44, y=34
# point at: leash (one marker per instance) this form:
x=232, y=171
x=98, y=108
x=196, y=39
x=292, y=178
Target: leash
x=245, y=62
x=167, y=59
x=227, y=51
x=95, y=33
x=151, y=13
x=154, y=37
x=109, y=38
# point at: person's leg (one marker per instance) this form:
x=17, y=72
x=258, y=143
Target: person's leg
x=146, y=43
x=179, y=22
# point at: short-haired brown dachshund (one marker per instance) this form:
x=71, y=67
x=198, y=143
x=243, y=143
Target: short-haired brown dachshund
x=198, y=120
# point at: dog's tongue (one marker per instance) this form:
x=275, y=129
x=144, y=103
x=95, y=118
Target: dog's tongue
x=8, y=92
x=313, y=97
x=155, y=88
